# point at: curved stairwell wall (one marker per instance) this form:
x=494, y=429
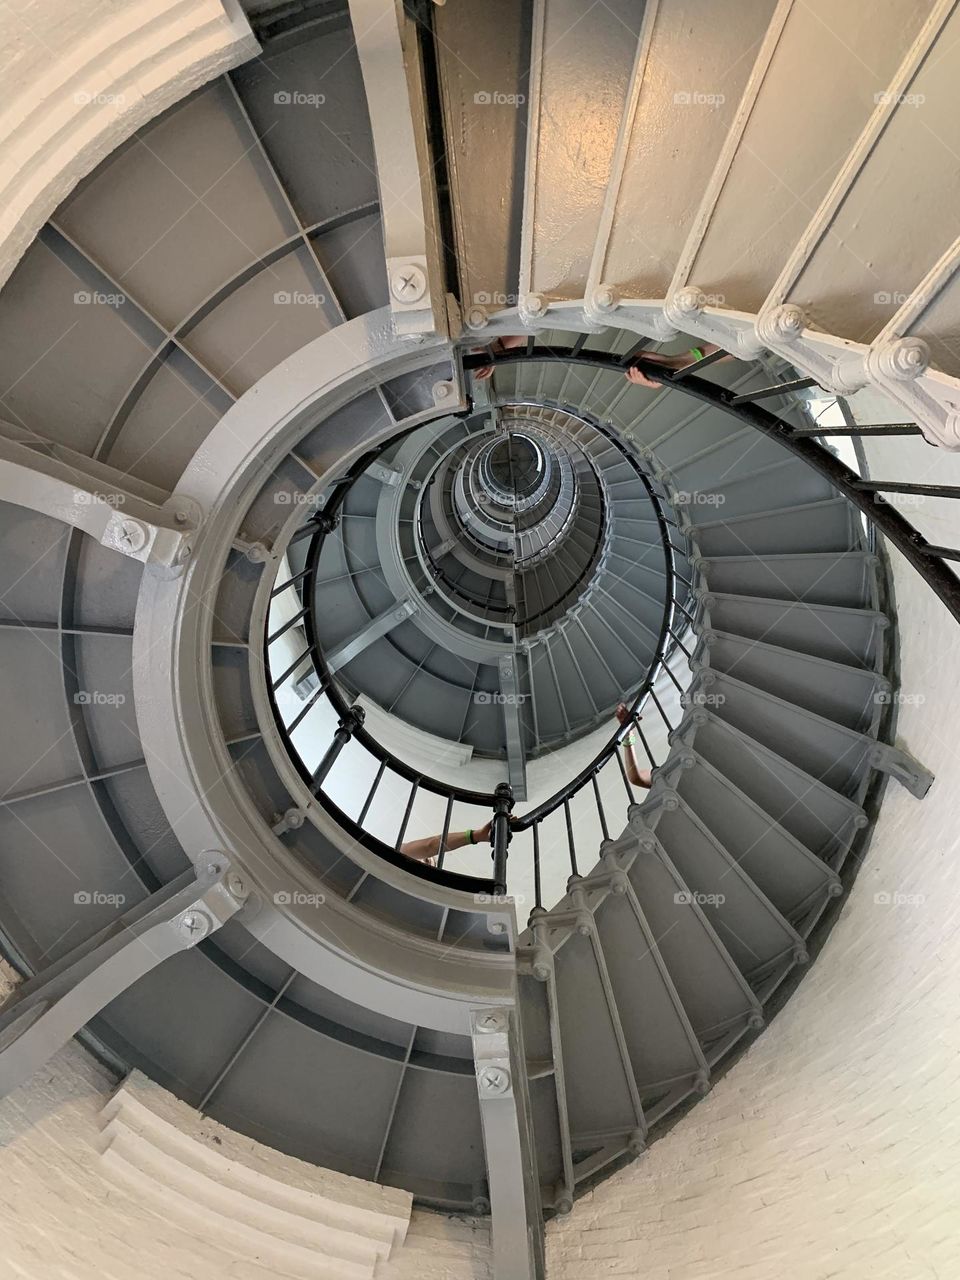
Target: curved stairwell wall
x=79, y=78
x=854, y=1039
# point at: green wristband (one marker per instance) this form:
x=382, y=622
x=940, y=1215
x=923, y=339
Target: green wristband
x=696, y=353
x=470, y=836
x=630, y=739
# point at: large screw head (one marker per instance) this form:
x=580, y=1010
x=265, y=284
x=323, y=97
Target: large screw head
x=195, y=924
x=408, y=283
x=494, y=1080
x=491, y=1020
x=132, y=535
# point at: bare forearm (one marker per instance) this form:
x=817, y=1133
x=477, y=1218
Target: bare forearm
x=429, y=847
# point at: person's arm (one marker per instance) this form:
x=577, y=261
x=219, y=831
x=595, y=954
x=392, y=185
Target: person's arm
x=637, y=776
x=429, y=847
x=497, y=347
x=640, y=379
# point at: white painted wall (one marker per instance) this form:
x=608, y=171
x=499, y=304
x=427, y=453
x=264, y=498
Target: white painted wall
x=79, y=76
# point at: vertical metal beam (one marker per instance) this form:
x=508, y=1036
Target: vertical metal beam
x=389, y=55
x=508, y=666
x=43, y=1013
x=518, y=1250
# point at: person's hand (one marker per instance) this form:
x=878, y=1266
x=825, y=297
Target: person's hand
x=640, y=379
x=481, y=835
x=483, y=373
x=623, y=713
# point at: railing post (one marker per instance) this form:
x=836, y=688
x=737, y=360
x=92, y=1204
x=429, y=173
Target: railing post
x=501, y=835
x=350, y=722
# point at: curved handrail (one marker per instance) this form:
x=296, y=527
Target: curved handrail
x=926, y=559
x=320, y=524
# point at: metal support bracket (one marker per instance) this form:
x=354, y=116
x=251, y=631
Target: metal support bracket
x=45, y=1011
x=387, y=46
x=901, y=765
x=136, y=519
x=516, y=1209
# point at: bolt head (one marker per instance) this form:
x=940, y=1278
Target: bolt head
x=534, y=304
x=408, y=283
x=789, y=321
x=689, y=301
x=605, y=298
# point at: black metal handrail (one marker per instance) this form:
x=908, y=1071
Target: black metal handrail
x=350, y=718
x=866, y=496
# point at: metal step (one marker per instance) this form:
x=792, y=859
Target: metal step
x=790, y=874
x=812, y=527
x=761, y=941
x=852, y=637
x=822, y=820
x=848, y=695
x=845, y=579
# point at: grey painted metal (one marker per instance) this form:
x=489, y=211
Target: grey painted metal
x=332, y=942
x=99, y=500
x=44, y=1012
x=517, y=1215
x=386, y=41
x=511, y=701
x=377, y=627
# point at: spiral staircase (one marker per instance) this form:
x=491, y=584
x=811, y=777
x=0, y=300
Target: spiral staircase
x=285, y=584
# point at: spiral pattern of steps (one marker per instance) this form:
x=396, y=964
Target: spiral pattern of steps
x=530, y=542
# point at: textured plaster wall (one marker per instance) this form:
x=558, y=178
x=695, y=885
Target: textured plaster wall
x=79, y=76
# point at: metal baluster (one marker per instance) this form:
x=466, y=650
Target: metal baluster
x=371, y=793
x=600, y=811
x=660, y=709
x=643, y=740
x=570, y=841
x=290, y=670
x=314, y=699
x=445, y=833
x=537, y=891
x=679, y=642
x=415, y=787
x=631, y=798
x=679, y=686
